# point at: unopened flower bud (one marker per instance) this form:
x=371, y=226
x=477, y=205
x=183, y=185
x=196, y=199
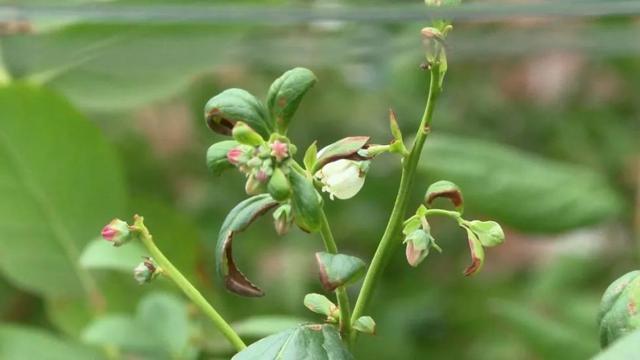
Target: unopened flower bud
x=343, y=178
x=278, y=185
x=244, y=134
x=279, y=150
x=253, y=186
x=282, y=219
x=145, y=271
x=116, y=232
x=239, y=155
x=417, y=247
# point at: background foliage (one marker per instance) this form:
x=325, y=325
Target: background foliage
x=538, y=124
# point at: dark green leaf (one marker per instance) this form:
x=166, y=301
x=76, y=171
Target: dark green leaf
x=22, y=343
x=232, y=105
x=305, y=202
x=346, y=148
x=285, y=95
x=339, y=269
x=306, y=342
x=60, y=182
x=519, y=189
x=238, y=219
x=217, y=156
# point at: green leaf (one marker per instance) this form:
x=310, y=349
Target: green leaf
x=100, y=254
x=285, y=95
x=489, y=232
x=521, y=190
x=365, y=324
x=346, y=148
x=306, y=342
x=224, y=110
x=626, y=348
x=60, y=182
x=305, y=202
x=160, y=325
x=338, y=269
x=319, y=304
x=265, y=325
x=445, y=189
x=238, y=219
x=21, y=342
x=310, y=157
x=217, y=156
x=619, y=315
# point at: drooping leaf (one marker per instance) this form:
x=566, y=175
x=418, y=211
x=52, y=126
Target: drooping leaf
x=238, y=219
x=627, y=347
x=60, y=183
x=264, y=325
x=285, y=95
x=159, y=326
x=445, y=189
x=306, y=342
x=224, y=110
x=346, y=148
x=21, y=342
x=339, y=269
x=489, y=232
x=217, y=160
x=305, y=202
x=521, y=190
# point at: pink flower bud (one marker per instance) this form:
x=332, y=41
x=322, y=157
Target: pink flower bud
x=262, y=176
x=234, y=155
x=117, y=232
x=279, y=150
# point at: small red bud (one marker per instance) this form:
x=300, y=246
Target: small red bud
x=116, y=232
x=279, y=150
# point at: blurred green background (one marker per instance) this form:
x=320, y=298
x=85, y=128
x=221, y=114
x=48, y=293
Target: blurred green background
x=101, y=116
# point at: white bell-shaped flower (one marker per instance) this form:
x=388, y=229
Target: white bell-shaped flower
x=343, y=178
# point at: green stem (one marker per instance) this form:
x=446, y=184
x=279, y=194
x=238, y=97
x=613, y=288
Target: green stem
x=189, y=290
x=341, y=292
x=394, y=226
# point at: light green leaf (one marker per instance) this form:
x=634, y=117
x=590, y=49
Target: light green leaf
x=310, y=157
x=338, y=269
x=60, y=183
x=265, y=325
x=100, y=254
x=618, y=314
x=365, y=324
x=627, y=347
x=306, y=342
x=21, y=343
x=518, y=189
x=319, y=304
x=489, y=232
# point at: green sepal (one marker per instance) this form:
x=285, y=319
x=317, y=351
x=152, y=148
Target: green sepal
x=489, y=233
x=338, y=269
x=311, y=157
x=217, y=156
x=232, y=105
x=619, y=314
x=305, y=202
x=238, y=219
x=365, y=325
x=278, y=185
x=285, y=95
x=346, y=148
x=445, y=189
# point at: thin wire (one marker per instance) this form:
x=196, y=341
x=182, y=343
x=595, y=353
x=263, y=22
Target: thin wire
x=208, y=14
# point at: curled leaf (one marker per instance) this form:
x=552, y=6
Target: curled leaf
x=305, y=202
x=477, y=254
x=338, y=269
x=238, y=219
x=217, y=160
x=346, y=148
x=445, y=189
x=230, y=106
x=285, y=95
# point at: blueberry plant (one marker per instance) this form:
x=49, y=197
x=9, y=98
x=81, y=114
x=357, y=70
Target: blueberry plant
x=295, y=192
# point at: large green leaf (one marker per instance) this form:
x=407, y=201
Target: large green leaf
x=60, y=183
x=305, y=342
x=519, y=189
x=20, y=343
x=627, y=347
